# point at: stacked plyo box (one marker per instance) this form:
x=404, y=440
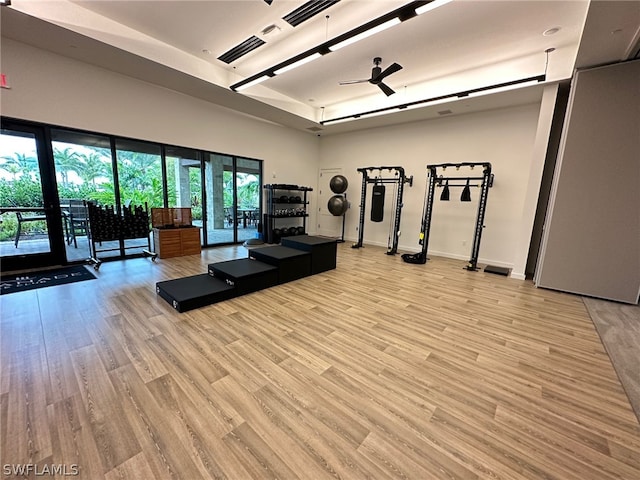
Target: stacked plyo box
x=296, y=258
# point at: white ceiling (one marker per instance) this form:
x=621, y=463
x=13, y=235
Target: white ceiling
x=460, y=45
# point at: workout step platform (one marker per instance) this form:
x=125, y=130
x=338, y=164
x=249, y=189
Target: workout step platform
x=323, y=250
x=195, y=291
x=245, y=274
x=292, y=263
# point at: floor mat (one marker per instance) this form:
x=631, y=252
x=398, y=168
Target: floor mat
x=44, y=278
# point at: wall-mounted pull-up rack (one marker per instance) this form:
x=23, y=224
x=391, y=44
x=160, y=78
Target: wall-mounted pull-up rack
x=398, y=180
x=446, y=182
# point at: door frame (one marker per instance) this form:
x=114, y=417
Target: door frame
x=57, y=254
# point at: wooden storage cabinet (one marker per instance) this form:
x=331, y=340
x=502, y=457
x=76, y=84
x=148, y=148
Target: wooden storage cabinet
x=176, y=242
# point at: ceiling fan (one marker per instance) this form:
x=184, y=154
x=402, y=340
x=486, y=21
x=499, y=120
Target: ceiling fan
x=377, y=75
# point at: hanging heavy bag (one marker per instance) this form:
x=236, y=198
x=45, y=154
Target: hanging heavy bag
x=377, y=204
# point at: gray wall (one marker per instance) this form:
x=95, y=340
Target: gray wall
x=591, y=244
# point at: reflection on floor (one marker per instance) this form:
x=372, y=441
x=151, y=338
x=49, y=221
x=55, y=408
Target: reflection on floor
x=30, y=245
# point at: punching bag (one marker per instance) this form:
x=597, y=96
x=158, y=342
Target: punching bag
x=377, y=204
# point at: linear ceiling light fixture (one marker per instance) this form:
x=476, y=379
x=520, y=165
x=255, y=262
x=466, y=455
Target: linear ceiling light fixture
x=430, y=6
x=293, y=65
x=374, y=26
x=435, y=100
x=367, y=33
x=252, y=83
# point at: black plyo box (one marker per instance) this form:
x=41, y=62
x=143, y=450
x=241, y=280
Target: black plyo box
x=245, y=274
x=292, y=263
x=323, y=250
x=194, y=292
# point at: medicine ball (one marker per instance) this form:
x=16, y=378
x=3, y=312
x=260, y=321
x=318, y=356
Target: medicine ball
x=338, y=184
x=292, y=199
x=338, y=205
x=300, y=230
x=284, y=199
x=293, y=230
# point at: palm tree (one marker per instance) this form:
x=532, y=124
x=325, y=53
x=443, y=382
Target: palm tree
x=66, y=161
x=91, y=166
x=20, y=163
x=139, y=176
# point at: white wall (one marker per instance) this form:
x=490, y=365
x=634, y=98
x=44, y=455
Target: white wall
x=503, y=137
x=50, y=88
x=58, y=90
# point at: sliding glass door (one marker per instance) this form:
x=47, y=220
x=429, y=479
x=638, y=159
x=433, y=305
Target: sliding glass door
x=233, y=187
x=84, y=173
x=247, y=192
x=48, y=175
x=30, y=221
x=184, y=184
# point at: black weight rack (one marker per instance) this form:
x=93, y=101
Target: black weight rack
x=105, y=225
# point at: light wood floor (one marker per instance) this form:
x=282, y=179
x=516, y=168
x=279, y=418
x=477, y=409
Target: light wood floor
x=378, y=369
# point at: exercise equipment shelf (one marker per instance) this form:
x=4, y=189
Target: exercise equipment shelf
x=285, y=201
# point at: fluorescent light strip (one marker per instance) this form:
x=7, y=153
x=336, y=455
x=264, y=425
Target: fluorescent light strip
x=252, y=83
x=365, y=34
x=504, y=88
x=297, y=64
x=429, y=103
x=379, y=112
x=430, y=6
x=338, y=120
x=451, y=97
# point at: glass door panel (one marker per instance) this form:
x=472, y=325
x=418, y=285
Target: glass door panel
x=184, y=184
x=220, y=204
x=139, y=182
x=28, y=220
x=248, y=190
x=84, y=173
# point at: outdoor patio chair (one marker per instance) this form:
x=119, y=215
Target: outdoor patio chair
x=77, y=219
x=24, y=219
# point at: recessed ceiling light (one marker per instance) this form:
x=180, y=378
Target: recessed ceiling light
x=551, y=31
x=206, y=51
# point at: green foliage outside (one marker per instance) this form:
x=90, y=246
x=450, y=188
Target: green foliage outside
x=88, y=175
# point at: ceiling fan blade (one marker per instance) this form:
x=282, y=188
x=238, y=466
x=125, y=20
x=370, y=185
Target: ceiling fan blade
x=386, y=89
x=350, y=82
x=393, y=68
